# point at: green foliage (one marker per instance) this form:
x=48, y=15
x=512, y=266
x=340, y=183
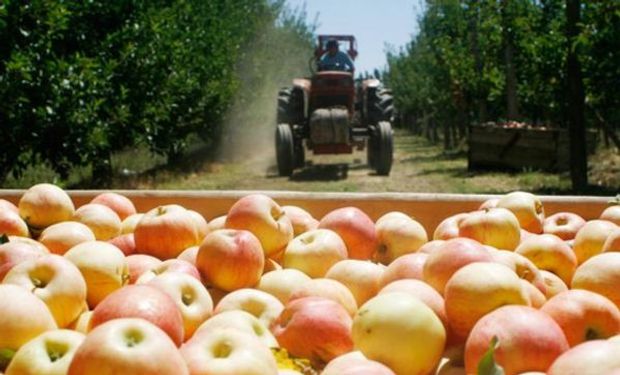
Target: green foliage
x=81, y=80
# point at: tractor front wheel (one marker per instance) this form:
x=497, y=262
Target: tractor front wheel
x=383, y=148
x=285, y=152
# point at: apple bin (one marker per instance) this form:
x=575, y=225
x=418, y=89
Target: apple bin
x=307, y=283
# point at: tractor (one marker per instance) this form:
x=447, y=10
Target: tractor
x=332, y=113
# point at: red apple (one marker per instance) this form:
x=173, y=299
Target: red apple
x=238, y=320
x=592, y=357
x=327, y=288
x=314, y=328
x=231, y=259
x=202, y=227
x=142, y=301
x=591, y=238
x=363, y=278
x=410, y=266
x=138, y=264
x=282, y=283
x=354, y=363
x=164, y=232
x=549, y=252
x=398, y=234
x=314, y=252
x=355, y=228
x=449, y=227
x=129, y=224
x=534, y=295
x=523, y=267
x=169, y=266
x=421, y=291
x=301, y=219
x=262, y=305
x=12, y=225
x=612, y=243
x=128, y=346
x=13, y=253
x=583, y=315
x=45, y=204
x=554, y=285
x=563, y=224
x=611, y=213
x=263, y=217
x=451, y=256
x=120, y=204
x=497, y=227
x=60, y=237
x=528, y=340
x=56, y=281
x=527, y=208
x=600, y=274
x=430, y=246
x=125, y=242
x=8, y=206
x=102, y=220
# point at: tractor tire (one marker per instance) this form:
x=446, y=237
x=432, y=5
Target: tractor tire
x=300, y=154
x=384, y=148
x=371, y=150
x=285, y=152
x=283, y=114
x=380, y=106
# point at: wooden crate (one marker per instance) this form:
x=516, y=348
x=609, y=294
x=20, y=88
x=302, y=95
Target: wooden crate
x=428, y=209
x=518, y=148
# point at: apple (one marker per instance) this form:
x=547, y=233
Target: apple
x=13, y=253
x=355, y=228
x=523, y=267
x=430, y=246
x=271, y=265
x=142, y=301
x=125, y=242
x=477, y=289
x=128, y=225
x=489, y=203
x=314, y=252
x=120, y=204
x=549, y=252
x=8, y=206
x=361, y=277
x=103, y=267
x=398, y=234
x=60, y=237
x=600, y=274
x=127, y=346
x=563, y=224
x=138, y=264
x=30, y=242
x=262, y=305
x=611, y=213
x=13, y=225
x=56, y=281
x=591, y=238
x=202, y=227
x=282, y=283
x=190, y=296
x=217, y=223
x=82, y=323
x=583, y=315
x=102, y=220
x=449, y=227
x=241, y=321
x=23, y=316
x=45, y=204
x=189, y=254
x=422, y=291
x=409, y=266
x=553, y=284
x=528, y=340
x=329, y=289
x=301, y=219
x=497, y=227
x=451, y=256
x=401, y=332
x=263, y=217
x=230, y=259
x=612, y=243
x=49, y=353
x=165, y=231
x=527, y=208
x=314, y=328
x=535, y=297
x=591, y=357
x=354, y=363
x=227, y=352
x=169, y=266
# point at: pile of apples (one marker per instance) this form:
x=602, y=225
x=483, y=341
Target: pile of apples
x=102, y=289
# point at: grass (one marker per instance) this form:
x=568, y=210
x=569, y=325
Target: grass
x=419, y=166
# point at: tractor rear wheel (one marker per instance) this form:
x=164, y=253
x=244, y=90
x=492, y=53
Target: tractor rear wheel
x=380, y=106
x=285, y=151
x=284, y=99
x=383, y=148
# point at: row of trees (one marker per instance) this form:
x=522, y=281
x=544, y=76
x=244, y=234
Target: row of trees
x=474, y=61
x=80, y=80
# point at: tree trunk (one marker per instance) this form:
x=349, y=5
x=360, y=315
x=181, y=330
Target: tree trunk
x=512, y=100
x=576, y=101
x=481, y=91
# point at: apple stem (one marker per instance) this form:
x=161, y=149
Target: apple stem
x=5, y=358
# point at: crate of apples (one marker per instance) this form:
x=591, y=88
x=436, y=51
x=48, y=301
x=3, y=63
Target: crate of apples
x=266, y=288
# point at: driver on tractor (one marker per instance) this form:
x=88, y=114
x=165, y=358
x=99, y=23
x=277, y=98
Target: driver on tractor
x=334, y=59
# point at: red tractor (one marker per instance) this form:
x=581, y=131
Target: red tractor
x=329, y=113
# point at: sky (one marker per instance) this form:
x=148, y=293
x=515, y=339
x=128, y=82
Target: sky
x=374, y=23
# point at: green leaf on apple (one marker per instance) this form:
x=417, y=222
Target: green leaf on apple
x=487, y=365
x=4, y=239
x=5, y=357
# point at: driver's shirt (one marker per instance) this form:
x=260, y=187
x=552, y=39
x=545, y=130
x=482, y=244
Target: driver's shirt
x=340, y=61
